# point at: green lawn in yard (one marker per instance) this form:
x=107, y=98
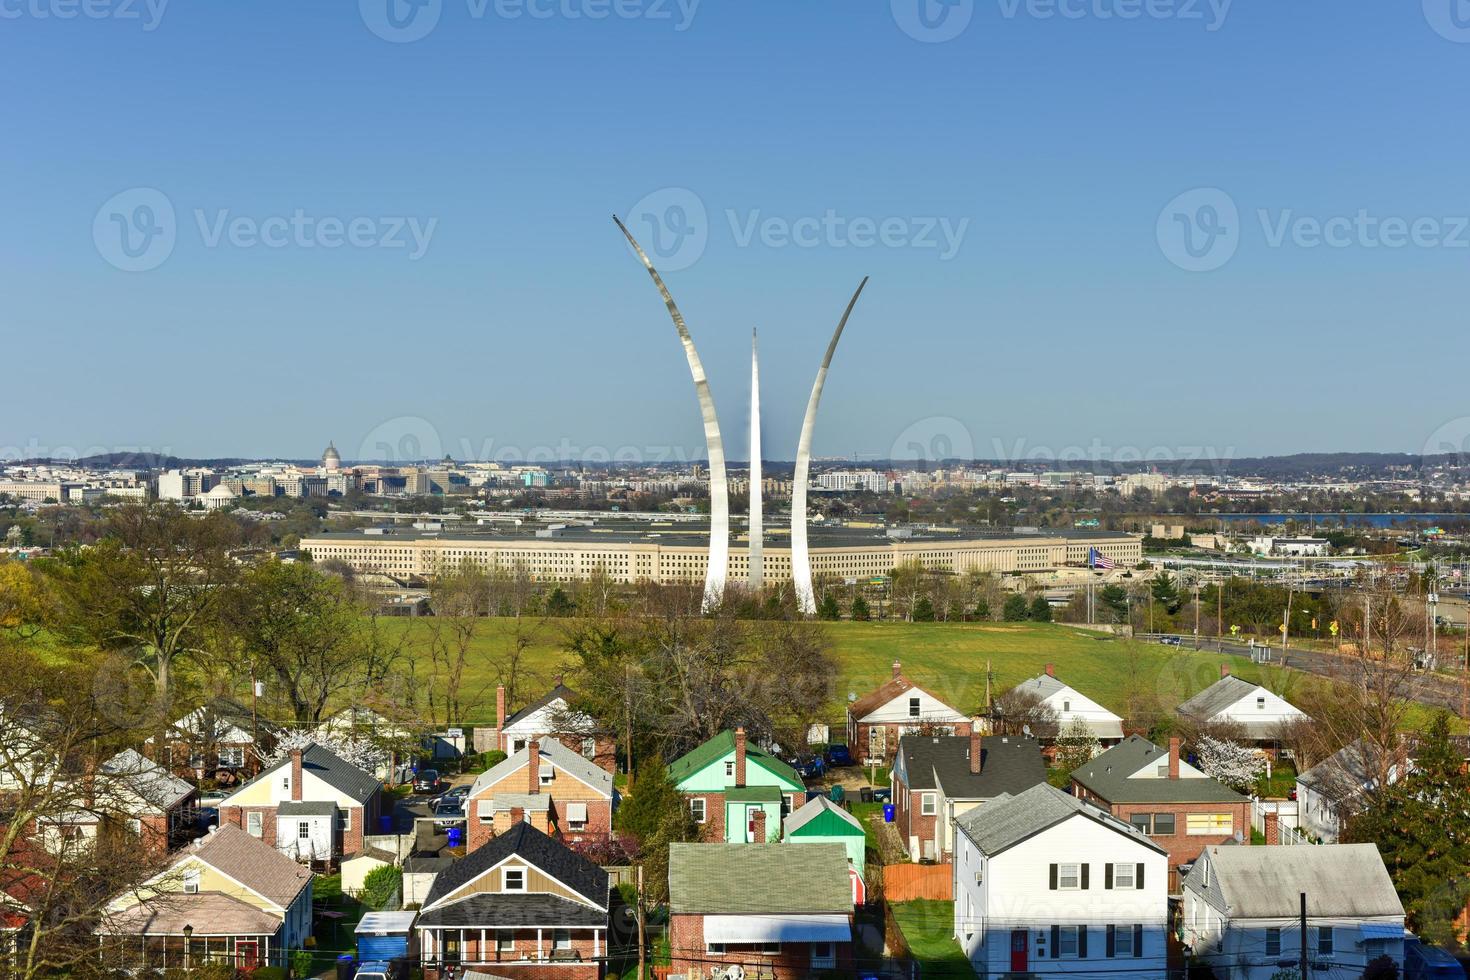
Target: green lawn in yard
x=949, y=659
x=928, y=931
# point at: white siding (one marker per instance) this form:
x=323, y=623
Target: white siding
x=899, y=711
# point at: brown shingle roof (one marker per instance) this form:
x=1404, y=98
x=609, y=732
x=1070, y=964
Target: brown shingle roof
x=886, y=692
x=253, y=863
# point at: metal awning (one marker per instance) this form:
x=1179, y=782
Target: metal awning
x=777, y=929
x=1380, y=930
x=577, y=812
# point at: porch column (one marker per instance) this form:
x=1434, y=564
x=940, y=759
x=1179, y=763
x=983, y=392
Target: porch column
x=539, y=953
x=596, y=943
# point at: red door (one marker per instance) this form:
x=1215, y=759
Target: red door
x=1018, y=950
x=247, y=954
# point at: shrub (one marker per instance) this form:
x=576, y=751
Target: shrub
x=269, y=973
x=301, y=963
x=380, y=886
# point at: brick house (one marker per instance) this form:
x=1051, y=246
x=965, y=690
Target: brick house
x=546, y=785
x=157, y=806
x=220, y=740
x=936, y=778
x=899, y=707
x=296, y=792
x=737, y=792
x=550, y=717
x=1181, y=808
x=775, y=911
x=522, y=907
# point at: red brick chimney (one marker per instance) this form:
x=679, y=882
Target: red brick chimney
x=296, y=775
x=740, y=757
x=516, y=815
x=977, y=744
x=1273, y=827
x=897, y=670
x=533, y=765
x=1224, y=670
x=1173, y=758
x=1051, y=670
x=500, y=717
x=758, y=823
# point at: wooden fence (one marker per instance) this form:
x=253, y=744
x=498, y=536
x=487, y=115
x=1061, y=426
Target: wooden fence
x=906, y=882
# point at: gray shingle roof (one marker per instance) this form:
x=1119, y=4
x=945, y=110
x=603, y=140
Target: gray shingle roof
x=560, y=757
x=252, y=862
x=147, y=779
x=535, y=848
x=759, y=879
x=332, y=770
x=546, y=911
x=1347, y=880
x=1043, y=686
x=306, y=808
x=1108, y=774
x=1008, y=820
x=1216, y=698
x=1008, y=764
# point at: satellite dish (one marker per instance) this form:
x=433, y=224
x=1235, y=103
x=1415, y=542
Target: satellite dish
x=851, y=695
x=1026, y=730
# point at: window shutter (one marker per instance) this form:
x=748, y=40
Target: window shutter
x=1053, y=877
x=1085, y=869
x=1082, y=940
x=1138, y=940
x=1111, y=940
x=1138, y=877
x=1056, y=939
x=1108, y=875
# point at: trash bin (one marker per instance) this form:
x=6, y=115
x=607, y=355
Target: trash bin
x=866, y=794
x=838, y=793
x=888, y=813
x=385, y=823
x=346, y=967
x=454, y=834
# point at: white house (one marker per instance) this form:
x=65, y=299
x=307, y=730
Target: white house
x=1242, y=908
x=1071, y=705
x=1048, y=885
x=1335, y=788
x=898, y=707
x=1230, y=700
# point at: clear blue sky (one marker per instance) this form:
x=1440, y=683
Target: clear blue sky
x=1061, y=319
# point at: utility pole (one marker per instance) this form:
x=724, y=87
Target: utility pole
x=642, y=924
x=1196, y=615
x=1303, y=923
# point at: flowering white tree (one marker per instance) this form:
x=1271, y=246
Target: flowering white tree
x=1229, y=762
x=361, y=752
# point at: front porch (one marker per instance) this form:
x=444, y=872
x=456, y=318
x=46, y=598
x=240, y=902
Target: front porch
x=471, y=946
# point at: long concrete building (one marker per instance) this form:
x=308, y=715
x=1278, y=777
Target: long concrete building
x=679, y=552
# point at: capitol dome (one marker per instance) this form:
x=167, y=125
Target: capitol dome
x=331, y=459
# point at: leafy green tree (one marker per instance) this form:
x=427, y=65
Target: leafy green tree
x=1075, y=746
x=1421, y=826
x=380, y=886
x=1015, y=608
x=1040, y=610
x=860, y=611
x=827, y=608
x=649, y=808
x=923, y=610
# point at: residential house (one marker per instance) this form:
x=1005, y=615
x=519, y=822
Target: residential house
x=221, y=741
x=229, y=898
x=522, y=905
x=551, y=717
x=1181, y=808
x=736, y=791
x=1256, y=710
x=898, y=707
x=936, y=778
x=310, y=805
x=547, y=785
x=1047, y=884
x=1072, y=706
x=773, y=910
x=384, y=746
x=1333, y=790
x=820, y=821
x=1241, y=913
x=156, y=806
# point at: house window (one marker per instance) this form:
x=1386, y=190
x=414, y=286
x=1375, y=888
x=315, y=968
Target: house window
x=1142, y=822
x=303, y=830
x=344, y=821
x=1122, y=940
x=1163, y=824
x=253, y=823
x=696, y=809
x=1209, y=824
x=515, y=879
x=928, y=804
x=1069, y=877
x=191, y=882
x=487, y=812
x=231, y=757
x=1067, y=939
x=1066, y=705
x=1123, y=876
x=717, y=949
x=589, y=748
x=505, y=943
x=516, y=745
x=1273, y=941
x=729, y=768
x=547, y=775
x=561, y=939
x=1261, y=704
x=824, y=956
x=913, y=707
x=769, y=949
x=1324, y=941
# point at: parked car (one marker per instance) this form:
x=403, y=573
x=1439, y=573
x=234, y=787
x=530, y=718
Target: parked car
x=1170, y=641
x=447, y=813
x=1425, y=962
x=456, y=795
x=809, y=766
x=882, y=794
x=837, y=755
x=212, y=798
x=427, y=781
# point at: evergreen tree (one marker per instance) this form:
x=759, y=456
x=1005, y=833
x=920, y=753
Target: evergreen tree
x=1015, y=608
x=827, y=608
x=1166, y=592
x=860, y=611
x=1421, y=825
x=1040, y=610
x=652, y=804
x=1115, y=601
x=982, y=610
x=558, y=605
x=923, y=610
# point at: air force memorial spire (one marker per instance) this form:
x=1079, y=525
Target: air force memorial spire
x=716, y=570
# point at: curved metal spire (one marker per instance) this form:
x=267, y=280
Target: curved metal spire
x=719, y=499
x=801, y=562
x=757, y=518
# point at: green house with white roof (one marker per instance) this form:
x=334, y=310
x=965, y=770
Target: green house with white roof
x=737, y=792
x=821, y=821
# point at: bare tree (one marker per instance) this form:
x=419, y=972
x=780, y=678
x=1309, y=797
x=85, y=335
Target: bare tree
x=1019, y=711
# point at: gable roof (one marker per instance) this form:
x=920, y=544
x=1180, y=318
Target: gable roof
x=1347, y=880
x=820, y=816
x=327, y=766
x=146, y=779
x=535, y=848
x=720, y=746
x=895, y=686
x=1109, y=776
x=210, y=914
x=224, y=710
x=559, y=756
x=559, y=692
x=1008, y=764
x=1352, y=769
x=1007, y=821
x=1043, y=686
x=759, y=879
x=251, y=862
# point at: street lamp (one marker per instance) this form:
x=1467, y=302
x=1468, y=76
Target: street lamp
x=188, y=942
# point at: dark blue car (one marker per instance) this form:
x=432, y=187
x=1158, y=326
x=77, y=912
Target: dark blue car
x=809, y=766
x=837, y=755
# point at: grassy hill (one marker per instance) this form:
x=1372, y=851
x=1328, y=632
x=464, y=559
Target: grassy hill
x=949, y=659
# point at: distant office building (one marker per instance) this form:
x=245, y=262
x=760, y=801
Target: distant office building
x=36, y=491
x=185, y=484
x=1290, y=547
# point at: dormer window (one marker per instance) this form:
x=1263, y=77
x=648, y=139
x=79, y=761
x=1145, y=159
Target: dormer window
x=913, y=707
x=515, y=879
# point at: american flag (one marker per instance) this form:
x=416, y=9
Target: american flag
x=1096, y=559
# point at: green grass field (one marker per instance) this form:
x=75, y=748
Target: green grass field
x=948, y=659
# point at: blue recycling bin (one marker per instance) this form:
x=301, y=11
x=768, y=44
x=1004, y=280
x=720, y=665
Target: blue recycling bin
x=888, y=813
x=455, y=834
x=385, y=823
